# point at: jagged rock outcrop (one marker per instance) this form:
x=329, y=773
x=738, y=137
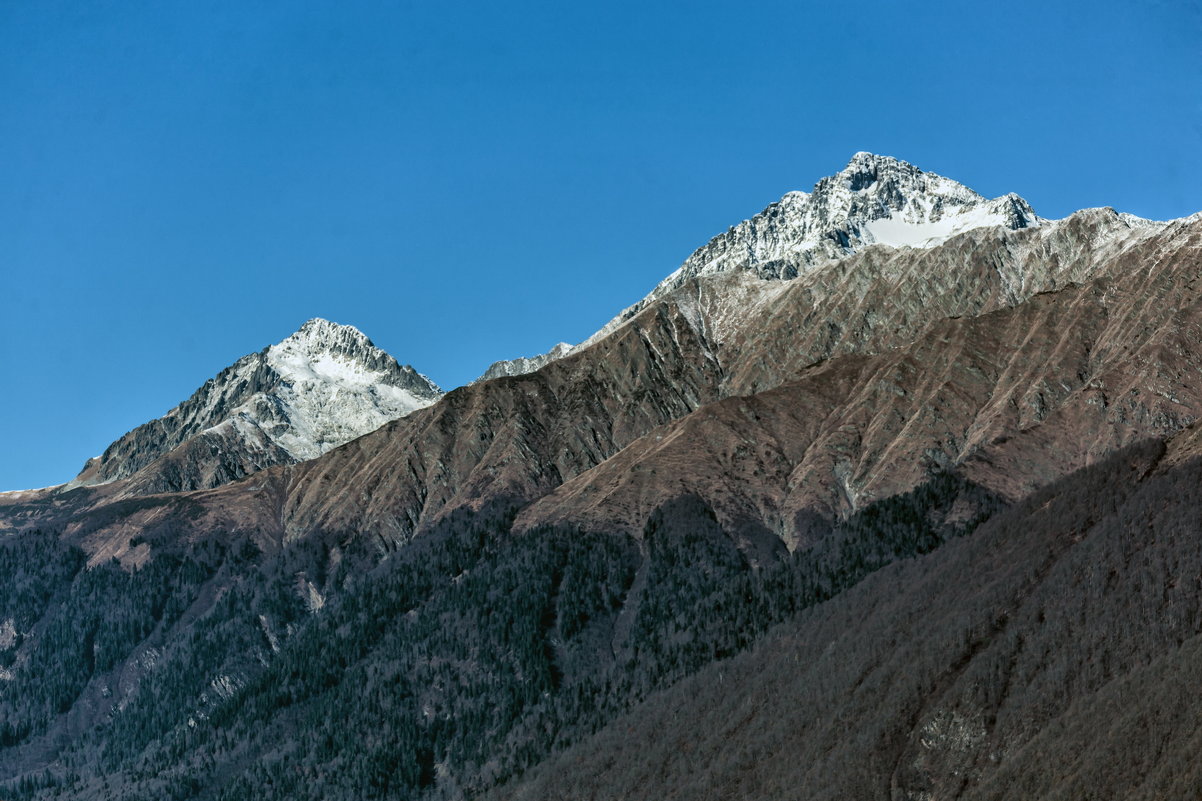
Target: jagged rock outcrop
x=874, y=199
x=525, y=364
x=324, y=385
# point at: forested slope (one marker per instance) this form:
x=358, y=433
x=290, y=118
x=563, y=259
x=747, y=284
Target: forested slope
x=1049, y=655
x=465, y=658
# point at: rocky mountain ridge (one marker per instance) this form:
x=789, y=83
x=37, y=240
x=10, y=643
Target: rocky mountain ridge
x=601, y=437
x=1014, y=397
x=718, y=335
x=723, y=333
x=873, y=200
x=526, y=364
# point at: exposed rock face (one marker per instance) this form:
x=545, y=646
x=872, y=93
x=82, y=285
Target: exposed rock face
x=323, y=386
x=764, y=331
x=875, y=199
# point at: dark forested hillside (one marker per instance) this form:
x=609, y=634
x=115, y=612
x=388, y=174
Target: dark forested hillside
x=1053, y=654
x=460, y=661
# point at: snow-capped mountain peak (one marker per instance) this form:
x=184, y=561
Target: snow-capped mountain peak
x=874, y=200
x=322, y=386
x=882, y=200
x=342, y=354
x=335, y=385
x=319, y=335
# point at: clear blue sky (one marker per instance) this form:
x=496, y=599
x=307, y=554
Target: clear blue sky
x=184, y=183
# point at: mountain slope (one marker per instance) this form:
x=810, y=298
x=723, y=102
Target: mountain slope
x=1016, y=397
x=323, y=386
x=520, y=437
x=1045, y=656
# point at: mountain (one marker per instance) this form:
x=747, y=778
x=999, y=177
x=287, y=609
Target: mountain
x=891, y=479
x=536, y=437
x=1014, y=397
x=873, y=200
x=321, y=387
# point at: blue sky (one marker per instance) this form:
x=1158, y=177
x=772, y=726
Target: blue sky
x=184, y=183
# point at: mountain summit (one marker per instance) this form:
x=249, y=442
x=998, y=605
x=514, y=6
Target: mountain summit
x=874, y=200
x=324, y=385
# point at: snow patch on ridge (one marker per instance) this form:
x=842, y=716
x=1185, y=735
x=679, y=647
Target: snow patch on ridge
x=927, y=230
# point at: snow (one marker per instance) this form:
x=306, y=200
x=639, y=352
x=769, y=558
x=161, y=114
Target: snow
x=898, y=232
x=18, y=492
x=874, y=200
x=321, y=387
x=328, y=392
